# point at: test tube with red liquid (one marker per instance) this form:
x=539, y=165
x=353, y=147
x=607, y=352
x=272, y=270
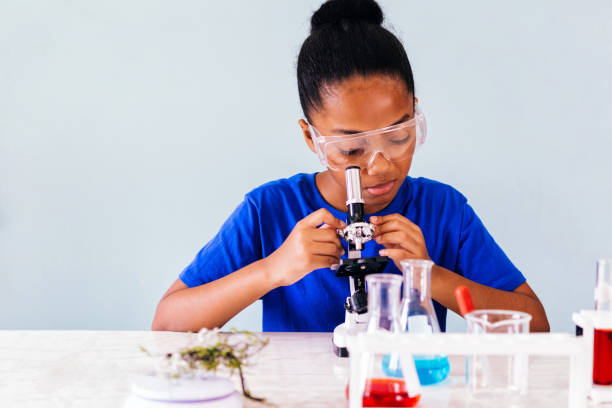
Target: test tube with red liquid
x=602, y=346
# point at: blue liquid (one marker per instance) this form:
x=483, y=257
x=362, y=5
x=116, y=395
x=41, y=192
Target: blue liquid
x=431, y=370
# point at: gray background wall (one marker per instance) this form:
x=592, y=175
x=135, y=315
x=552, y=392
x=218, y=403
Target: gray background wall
x=130, y=130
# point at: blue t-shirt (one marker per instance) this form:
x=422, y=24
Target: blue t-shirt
x=455, y=238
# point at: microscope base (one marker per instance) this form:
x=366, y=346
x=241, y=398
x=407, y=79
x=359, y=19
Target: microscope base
x=339, y=340
x=353, y=323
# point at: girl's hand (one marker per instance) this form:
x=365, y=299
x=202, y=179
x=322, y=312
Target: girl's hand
x=401, y=237
x=313, y=244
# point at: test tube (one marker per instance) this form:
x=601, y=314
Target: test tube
x=603, y=285
x=602, y=336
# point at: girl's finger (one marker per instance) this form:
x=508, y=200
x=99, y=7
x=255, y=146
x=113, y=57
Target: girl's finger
x=381, y=219
x=395, y=224
x=325, y=248
x=325, y=261
x=322, y=216
x=396, y=254
x=325, y=235
x=401, y=238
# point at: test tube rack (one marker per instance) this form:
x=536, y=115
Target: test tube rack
x=406, y=344
x=589, y=320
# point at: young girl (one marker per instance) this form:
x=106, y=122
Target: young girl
x=353, y=77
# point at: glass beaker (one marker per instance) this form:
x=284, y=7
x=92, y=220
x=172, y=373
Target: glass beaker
x=602, y=338
x=497, y=376
x=418, y=316
x=381, y=389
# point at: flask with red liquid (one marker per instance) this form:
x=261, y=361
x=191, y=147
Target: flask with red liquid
x=380, y=388
x=602, y=341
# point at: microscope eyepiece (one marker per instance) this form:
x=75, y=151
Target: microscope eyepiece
x=353, y=185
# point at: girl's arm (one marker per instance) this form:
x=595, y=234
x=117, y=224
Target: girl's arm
x=404, y=240
x=444, y=282
x=312, y=244
x=211, y=305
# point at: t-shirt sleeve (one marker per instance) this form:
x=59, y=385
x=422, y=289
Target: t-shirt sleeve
x=480, y=258
x=236, y=245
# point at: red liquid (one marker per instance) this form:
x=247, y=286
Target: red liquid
x=602, y=357
x=386, y=392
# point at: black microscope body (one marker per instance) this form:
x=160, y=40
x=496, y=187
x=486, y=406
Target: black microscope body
x=356, y=234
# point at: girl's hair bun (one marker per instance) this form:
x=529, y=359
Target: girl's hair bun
x=336, y=12
x=347, y=38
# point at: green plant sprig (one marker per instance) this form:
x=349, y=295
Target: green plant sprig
x=215, y=349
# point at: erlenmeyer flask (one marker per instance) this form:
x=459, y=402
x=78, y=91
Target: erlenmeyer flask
x=382, y=389
x=418, y=316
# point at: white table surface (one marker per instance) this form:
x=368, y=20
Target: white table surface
x=95, y=368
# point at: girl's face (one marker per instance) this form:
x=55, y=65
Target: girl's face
x=359, y=104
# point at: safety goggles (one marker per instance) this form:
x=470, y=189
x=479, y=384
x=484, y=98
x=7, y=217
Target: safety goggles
x=395, y=143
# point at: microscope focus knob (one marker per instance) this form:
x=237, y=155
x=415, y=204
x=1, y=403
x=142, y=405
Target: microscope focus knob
x=357, y=303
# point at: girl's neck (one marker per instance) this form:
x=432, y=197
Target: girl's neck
x=332, y=193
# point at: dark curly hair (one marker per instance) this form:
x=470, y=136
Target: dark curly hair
x=347, y=38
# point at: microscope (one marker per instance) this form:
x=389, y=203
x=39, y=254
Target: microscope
x=356, y=234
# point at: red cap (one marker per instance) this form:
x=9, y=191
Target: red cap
x=464, y=299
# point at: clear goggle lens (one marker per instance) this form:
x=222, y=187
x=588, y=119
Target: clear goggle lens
x=395, y=143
